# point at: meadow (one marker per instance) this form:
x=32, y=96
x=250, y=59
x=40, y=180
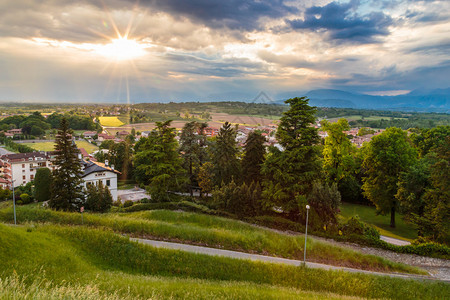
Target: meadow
x=52, y=261
x=50, y=146
x=110, y=121
x=368, y=215
x=211, y=231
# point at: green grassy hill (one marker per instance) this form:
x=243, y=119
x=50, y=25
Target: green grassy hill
x=50, y=261
x=211, y=231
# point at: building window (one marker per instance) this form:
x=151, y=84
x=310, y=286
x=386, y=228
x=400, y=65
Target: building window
x=31, y=177
x=23, y=177
x=23, y=171
x=108, y=182
x=23, y=165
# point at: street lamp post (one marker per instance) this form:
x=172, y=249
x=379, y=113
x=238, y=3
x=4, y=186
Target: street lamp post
x=306, y=234
x=14, y=198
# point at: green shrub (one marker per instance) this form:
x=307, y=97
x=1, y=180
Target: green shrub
x=26, y=199
x=128, y=203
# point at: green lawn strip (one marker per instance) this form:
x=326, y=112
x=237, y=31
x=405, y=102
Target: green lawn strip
x=107, y=251
x=367, y=214
x=50, y=263
x=215, y=232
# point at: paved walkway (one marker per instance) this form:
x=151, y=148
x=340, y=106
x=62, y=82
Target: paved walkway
x=264, y=258
x=394, y=241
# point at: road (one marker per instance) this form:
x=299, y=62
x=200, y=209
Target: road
x=264, y=258
x=3, y=151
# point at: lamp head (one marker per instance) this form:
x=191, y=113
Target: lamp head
x=307, y=207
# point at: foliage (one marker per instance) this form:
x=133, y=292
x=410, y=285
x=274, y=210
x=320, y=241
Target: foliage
x=338, y=155
x=66, y=191
x=427, y=140
x=42, y=184
x=241, y=200
x=386, y=156
x=205, y=177
x=15, y=147
x=98, y=198
x=157, y=163
x=25, y=198
x=128, y=203
x=118, y=155
x=193, y=151
x=254, y=153
x=325, y=200
x=224, y=152
x=5, y=194
x=288, y=174
x=364, y=131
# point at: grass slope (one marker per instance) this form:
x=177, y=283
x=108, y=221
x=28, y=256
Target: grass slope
x=211, y=231
x=93, y=261
x=367, y=214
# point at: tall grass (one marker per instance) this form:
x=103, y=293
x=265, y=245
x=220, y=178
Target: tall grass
x=215, y=232
x=112, y=264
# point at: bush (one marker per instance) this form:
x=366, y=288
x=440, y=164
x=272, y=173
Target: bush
x=25, y=198
x=128, y=203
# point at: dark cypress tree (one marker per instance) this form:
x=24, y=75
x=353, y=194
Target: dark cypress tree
x=254, y=151
x=224, y=156
x=193, y=152
x=42, y=184
x=66, y=189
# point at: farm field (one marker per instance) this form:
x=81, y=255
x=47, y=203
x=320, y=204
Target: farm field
x=381, y=223
x=110, y=121
x=217, y=120
x=49, y=146
x=359, y=117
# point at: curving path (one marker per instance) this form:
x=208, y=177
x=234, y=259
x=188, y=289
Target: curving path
x=269, y=259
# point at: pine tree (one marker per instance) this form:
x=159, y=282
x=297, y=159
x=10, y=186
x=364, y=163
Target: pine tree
x=66, y=191
x=224, y=156
x=289, y=173
x=254, y=152
x=192, y=148
x=157, y=161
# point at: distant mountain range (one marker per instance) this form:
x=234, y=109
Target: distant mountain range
x=418, y=100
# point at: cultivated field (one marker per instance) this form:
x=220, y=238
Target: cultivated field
x=50, y=146
x=110, y=121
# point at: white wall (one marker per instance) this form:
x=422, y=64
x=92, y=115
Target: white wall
x=95, y=177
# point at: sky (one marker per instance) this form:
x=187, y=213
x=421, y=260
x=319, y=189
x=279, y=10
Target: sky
x=125, y=51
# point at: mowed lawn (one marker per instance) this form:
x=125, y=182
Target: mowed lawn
x=50, y=146
x=110, y=121
x=367, y=214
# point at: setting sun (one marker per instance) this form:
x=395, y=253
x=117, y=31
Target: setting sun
x=122, y=48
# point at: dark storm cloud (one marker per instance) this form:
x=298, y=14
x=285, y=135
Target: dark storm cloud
x=232, y=14
x=342, y=23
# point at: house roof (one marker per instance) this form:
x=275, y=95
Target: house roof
x=92, y=167
x=83, y=152
x=23, y=156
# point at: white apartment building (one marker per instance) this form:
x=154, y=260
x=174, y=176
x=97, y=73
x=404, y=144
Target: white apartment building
x=22, y=167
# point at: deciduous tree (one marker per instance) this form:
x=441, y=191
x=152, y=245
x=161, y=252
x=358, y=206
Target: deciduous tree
x=386, y=157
